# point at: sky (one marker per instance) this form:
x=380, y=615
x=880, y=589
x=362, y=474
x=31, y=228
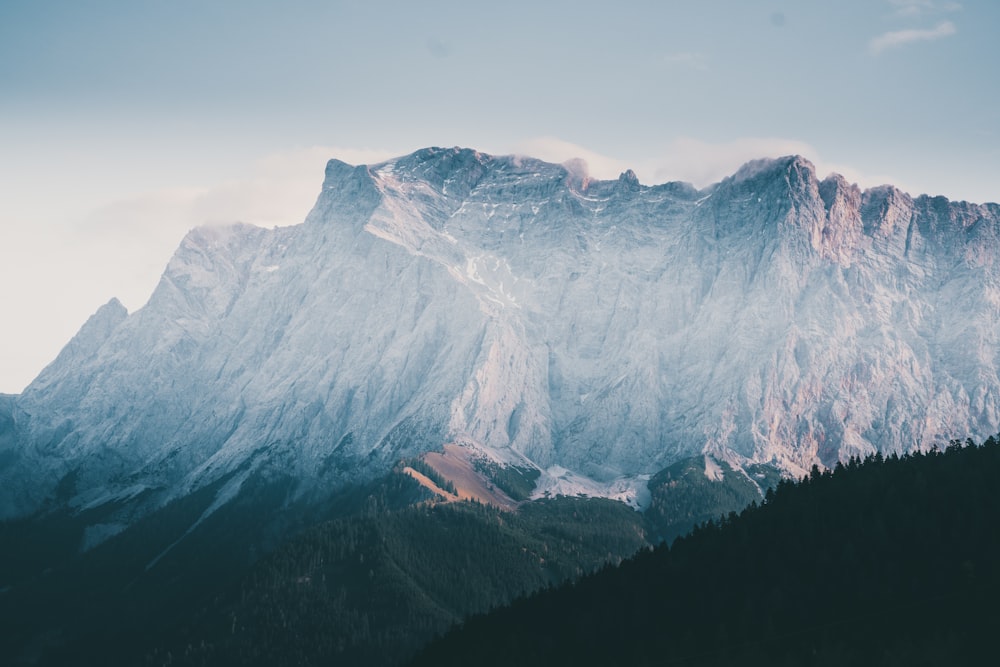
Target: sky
x=124, y=124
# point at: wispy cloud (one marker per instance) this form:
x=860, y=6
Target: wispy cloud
x=560, y=151
x=703, y=163
x=135, y=236
x=693, y=160
x=277, y=189
x=897, y=38
x=437, y=48
x=911, y=9
x=688, y=59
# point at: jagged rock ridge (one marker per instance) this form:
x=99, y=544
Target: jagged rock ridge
x=518, y=307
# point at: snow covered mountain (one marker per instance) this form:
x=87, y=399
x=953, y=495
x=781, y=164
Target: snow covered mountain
x=519, y=308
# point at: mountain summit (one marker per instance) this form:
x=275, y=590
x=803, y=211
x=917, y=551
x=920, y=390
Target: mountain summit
x=594, y=329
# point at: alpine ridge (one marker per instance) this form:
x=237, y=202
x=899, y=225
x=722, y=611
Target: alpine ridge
x=597, y=330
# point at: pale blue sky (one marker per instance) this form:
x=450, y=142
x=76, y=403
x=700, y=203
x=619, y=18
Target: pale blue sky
x=123, y=124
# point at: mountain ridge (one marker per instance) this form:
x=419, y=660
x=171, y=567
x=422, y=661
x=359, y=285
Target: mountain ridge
x=605, y=327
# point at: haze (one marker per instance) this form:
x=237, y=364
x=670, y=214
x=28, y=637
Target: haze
x=124, y=124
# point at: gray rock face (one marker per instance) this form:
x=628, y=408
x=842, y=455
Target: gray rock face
x=606, y=327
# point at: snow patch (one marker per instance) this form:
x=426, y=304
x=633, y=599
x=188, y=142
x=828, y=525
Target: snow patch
x=224, y=495
x=559, y=481
x=713, y=470
x=98, y=533
x=86, y=502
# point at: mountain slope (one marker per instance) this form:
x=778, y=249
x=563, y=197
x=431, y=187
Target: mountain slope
x=601, y=327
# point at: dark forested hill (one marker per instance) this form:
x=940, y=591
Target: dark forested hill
x=684, y=495
x=884, y=562
x=366, y=588
x=370, y=590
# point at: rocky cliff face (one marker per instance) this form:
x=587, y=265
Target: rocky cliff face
x=515, y=306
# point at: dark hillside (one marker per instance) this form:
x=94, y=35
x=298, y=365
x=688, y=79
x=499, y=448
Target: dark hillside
x=884, y=562
x=683, y=496
x=110, y=604
x=370, y=590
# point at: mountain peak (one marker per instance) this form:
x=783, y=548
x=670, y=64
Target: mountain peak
x=83, y=347
x=114, y=308
x=790, y=165
x=104, y=320
x=628, y=180
x=451, y=171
